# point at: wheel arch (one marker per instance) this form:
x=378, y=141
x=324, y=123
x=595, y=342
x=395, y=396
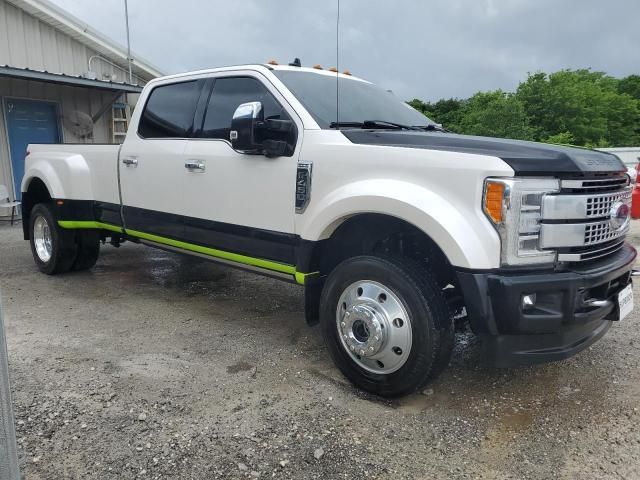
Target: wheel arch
x=35, y=191
x=57, y=175
x=66, y=175
x=460, y=232
x=370, y=234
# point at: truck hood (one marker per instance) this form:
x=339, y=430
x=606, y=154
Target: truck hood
x=525, y=158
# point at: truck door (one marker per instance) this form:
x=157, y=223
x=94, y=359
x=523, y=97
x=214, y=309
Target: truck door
x=235, y=202
x=151, y=163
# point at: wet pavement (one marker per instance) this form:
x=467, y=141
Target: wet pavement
x=155, y=365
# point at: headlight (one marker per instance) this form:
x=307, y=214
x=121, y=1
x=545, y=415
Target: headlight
x=514, y=205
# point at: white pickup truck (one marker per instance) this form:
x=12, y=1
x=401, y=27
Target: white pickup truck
x=394, y=226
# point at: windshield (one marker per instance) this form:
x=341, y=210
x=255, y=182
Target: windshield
x=359, y=101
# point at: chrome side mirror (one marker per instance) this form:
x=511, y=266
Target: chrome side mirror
x=247, y=119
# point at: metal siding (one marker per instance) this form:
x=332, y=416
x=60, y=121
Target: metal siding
x=55, y=16
x=68, y=98
x=4, y=34
x=5, y=165
x=28, y=42
x=51, y=62
x=32, y=40
x=15, y=32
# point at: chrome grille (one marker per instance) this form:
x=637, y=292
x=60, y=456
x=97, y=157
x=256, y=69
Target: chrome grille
x=582, y=255
x=576, y=221
x=601, y=232
x=566, y=206
x=595, y=184
x=600, y=205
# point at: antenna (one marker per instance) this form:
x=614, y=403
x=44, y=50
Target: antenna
x=338, y=64
x=126, y=17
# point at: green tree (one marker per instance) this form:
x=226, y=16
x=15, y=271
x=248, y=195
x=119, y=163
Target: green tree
x=562, y=138
x=585, y=104
x=495, y=114
x=418, y=105
x=630, y=85
x=445, y=112
x=578, y=107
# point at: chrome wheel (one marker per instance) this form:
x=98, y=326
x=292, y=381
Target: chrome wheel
x=42, y=238
x=374, y=327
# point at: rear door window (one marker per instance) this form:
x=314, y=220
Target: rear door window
x=170, y=110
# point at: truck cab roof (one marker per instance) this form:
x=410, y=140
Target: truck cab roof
x=261, y=67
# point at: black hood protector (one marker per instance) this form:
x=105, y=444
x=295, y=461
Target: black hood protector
x=526, y=158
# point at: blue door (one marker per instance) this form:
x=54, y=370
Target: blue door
x=28, y=121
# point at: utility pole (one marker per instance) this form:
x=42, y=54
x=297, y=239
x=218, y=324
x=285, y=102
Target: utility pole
x=126, y=16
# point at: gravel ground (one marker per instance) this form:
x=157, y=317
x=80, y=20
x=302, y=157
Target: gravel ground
x=154, y=365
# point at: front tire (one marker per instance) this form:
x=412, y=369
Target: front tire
x=386, y=323
x=54, y=249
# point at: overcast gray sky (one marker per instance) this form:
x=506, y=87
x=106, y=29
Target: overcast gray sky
x=418, y=48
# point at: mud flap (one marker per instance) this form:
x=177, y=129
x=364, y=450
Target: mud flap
x=312, y=291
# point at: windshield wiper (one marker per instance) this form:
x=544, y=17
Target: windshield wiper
x=432, y=127
x=373, y=124
x=345, y=124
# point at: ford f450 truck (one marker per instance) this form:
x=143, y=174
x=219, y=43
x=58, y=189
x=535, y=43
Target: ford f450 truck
x=394, y=226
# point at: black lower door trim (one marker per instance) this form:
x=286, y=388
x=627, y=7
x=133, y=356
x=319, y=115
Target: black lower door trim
x=253, y=242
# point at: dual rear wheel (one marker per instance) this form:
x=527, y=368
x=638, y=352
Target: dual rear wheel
x=57, y=250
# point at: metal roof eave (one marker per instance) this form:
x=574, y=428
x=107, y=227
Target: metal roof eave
x=69, y=80
x=62, y=20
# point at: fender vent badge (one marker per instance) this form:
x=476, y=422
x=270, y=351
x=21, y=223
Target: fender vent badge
x=303, y=186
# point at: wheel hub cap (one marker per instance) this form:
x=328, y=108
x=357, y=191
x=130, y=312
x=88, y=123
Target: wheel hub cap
x=42, y=238
x=362, y=330
x=374, y=327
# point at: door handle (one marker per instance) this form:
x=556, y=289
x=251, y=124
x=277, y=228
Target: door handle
x=194, y=165
x=130, y=161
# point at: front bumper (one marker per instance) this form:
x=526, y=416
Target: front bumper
x=562, y=322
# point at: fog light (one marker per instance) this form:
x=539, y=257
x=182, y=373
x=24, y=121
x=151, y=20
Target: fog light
x=528, y=301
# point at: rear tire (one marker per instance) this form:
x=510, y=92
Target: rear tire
x=88, y=242
x=386, y=323
x=54, y=249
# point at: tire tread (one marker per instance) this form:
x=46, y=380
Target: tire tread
x=417, y=280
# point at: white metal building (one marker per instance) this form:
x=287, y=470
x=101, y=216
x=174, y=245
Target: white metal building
x=629, y=155
x=60, y=82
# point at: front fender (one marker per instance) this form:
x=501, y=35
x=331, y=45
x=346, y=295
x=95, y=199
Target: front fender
x=65, y=176
x=464, y=235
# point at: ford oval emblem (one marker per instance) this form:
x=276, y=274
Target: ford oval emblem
x=620, y=216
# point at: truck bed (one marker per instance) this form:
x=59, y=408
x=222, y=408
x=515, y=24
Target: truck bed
x=75, y=171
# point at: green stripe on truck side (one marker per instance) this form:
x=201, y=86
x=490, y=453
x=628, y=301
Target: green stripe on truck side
x=89, y=225
x=212, y=252
x=302, y=277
